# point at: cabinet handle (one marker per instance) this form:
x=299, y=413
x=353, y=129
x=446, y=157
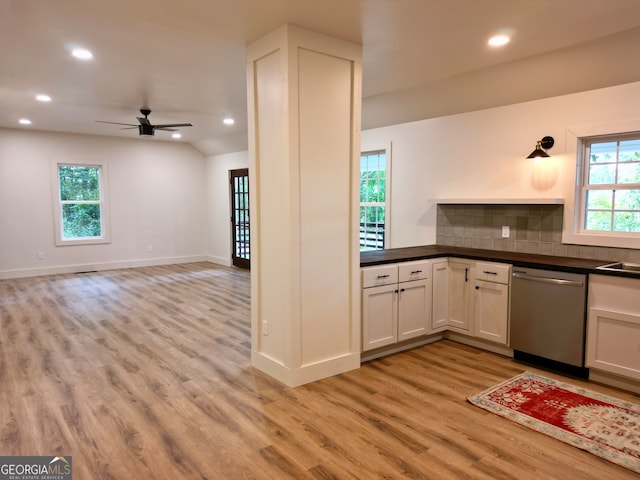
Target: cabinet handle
x=416, y=271
x=384, y=276
x=489, y=273
x=402, y=289
x=477, y=287
x=466, y=274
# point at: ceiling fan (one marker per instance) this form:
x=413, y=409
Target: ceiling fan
x=145, y=127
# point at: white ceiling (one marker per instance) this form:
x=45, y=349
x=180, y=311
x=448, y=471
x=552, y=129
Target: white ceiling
x=186, y=59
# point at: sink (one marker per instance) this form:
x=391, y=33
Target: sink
x=621, y=267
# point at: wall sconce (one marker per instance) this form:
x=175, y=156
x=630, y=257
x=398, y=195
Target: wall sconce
x=541, y=145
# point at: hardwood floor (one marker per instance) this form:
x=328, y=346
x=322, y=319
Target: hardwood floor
x=145, y=374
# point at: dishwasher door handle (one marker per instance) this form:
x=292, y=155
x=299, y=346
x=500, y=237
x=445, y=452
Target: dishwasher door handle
x=555, y=281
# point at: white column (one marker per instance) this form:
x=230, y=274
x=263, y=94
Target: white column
x=304, y=97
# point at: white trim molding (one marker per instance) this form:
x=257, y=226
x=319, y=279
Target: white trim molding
x=571, y=233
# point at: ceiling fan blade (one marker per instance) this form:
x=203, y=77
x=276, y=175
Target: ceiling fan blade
x=174, y=125
x=130, y=128
x=165, y=129
x=117, y=123
x=143, y=121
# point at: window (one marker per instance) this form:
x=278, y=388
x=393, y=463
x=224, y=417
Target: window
x=374, y=194
x=81, y=212
x=610, y=184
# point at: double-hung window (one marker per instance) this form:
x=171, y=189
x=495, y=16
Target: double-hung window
x=374, y=195
x=81, y=215
x=610, y=184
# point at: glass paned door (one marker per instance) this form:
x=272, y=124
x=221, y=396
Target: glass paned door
x=239, y=180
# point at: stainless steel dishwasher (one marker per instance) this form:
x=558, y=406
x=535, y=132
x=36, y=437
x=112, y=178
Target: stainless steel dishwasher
x=548, y=317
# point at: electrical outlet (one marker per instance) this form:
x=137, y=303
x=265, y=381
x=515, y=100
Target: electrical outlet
x=505, y=231
x=40, y=255
x=265, y=327
x=149, y=248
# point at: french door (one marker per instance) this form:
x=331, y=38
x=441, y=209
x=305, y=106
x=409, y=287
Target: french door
x=239, y=180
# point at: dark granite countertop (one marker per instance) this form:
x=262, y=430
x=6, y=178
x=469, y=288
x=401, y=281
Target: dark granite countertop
x=549, y=262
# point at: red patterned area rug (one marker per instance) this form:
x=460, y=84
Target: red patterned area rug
x=599, y=424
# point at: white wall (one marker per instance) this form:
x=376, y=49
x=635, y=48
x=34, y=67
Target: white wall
x=219, y=204
x=482, y=154
x=157, y=197
x=167, y=195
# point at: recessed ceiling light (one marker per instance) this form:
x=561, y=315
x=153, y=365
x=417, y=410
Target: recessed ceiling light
x=43, y=98
x=82, y=54
x=499, y=40
x=24, y=121
x=176, y=135
x=228, y=121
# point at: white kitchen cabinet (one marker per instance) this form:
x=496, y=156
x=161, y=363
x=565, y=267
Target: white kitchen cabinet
x=412, y=299
x=414, y=308
x=440, y=313
x=613, y=325
x=472, y=298
x=379, y=316
x=491, y=315
x=396, y=303
x=461, y=274
x=452, y=295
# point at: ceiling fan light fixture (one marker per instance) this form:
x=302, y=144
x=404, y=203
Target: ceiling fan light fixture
x=541, y=145
x=145, y=127
x=149, y=130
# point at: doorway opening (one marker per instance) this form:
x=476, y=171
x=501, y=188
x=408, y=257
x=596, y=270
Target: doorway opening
x=239, y=181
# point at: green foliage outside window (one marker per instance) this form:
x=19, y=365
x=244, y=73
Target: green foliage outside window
x=615, y=206
x=373, y=188
x=80, y=201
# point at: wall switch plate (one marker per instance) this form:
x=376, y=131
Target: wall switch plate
x=505, y=231
x=149, y=248
x=40, y=255
x=265, y=327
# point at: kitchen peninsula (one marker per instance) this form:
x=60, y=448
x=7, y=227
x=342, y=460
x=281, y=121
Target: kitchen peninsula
x=440, y=301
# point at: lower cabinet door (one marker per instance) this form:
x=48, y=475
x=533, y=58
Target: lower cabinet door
x=440, y=297
x=492, y=311
x=414, y=308
x=460, y=278
x=379, y=316
x=613, y=342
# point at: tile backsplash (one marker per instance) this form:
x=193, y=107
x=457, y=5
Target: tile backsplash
x=533, y=229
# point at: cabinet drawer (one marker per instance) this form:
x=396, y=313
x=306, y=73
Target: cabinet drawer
x=493, y=272
x=381, y=275
x=408, y=271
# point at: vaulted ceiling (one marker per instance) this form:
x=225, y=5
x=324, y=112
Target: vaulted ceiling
x=185, y=59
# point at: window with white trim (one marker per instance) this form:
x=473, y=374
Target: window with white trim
x=374, y=195
x=81, y=204
x=610, y=184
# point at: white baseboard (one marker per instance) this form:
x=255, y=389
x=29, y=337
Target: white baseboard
x=293, y=377
x=613, y=380
x=384, y=351
x=91, y=267
x=479, y=343
x=224, y=261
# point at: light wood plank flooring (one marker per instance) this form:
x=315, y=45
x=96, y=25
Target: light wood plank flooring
x=145, y=374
